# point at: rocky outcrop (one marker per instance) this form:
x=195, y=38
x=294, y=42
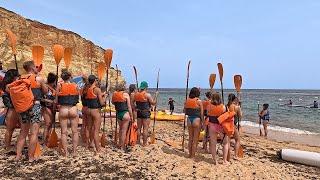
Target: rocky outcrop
x=30, y=33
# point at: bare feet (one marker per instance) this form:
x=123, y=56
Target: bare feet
x=226, y=163
x=18, y=158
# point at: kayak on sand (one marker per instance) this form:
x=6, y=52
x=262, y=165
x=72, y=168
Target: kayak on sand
x=162, y=116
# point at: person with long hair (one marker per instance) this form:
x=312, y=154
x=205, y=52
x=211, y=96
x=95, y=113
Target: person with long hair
x=67, y=98
x=95, y=100
x=216, y=109
x=85, y=132
x=144, y=101
x=233, y=105
x=193, y=108
x=121, y=101
x=48, y=105
x=11, y=118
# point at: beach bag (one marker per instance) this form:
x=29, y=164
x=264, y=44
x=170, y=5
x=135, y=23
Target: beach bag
x=132, y=135
x=226, y=121
x=21, y=95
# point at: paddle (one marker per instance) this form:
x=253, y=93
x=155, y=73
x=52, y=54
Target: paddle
x=116, y=129
x=107, y=59
x=13, y=42
x=101, y=72
x=37, y=55
x=67, y=57
x=58, y=52
x=238, y=83
x=220, y=68
x=212, y=80
x=153, y=135
x=185, y=116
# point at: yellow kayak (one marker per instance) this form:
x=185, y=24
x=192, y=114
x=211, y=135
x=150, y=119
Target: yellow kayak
x=107, y=109
x=162, y=116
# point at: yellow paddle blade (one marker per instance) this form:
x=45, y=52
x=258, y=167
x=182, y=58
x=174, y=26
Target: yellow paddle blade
x=101, y=70
x=237, y=79
x=37, y=55
x=108, y=57
x=220, y=68
x=67, y=56
x=13, y=40
x=212, y=80
x=103, y=140
x=53, y=140
x=37, y=152
x=58, y=52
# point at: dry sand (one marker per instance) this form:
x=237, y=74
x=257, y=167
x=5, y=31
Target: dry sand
x=162, y=161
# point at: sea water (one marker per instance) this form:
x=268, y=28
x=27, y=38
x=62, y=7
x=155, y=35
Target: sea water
x=300, y=120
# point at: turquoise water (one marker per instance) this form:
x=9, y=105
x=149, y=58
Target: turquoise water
x=290, y=119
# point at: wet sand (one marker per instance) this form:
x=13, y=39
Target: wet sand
x=163, y=160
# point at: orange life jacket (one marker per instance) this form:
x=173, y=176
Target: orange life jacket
x=119, y=101
x=226, y=121
x=21, y=94
x=142, y=102
x=192, y=108
x=68, y=94
x=35, y=86
x=214, y=111
x=132, y=135
x=92, y=99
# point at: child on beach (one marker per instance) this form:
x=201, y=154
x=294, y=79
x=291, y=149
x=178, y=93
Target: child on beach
x=265, y=118
x=194, y=109
x=171, y=105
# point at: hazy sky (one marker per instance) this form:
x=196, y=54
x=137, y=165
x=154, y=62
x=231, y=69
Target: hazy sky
x=273, y=43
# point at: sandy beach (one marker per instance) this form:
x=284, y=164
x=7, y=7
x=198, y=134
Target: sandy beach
x=163, y=160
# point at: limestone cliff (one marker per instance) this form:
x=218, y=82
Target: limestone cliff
x=31, y=33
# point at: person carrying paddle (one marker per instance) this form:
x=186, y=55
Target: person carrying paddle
x=193, y=108
x=205, y=104
x=216, y=109
x=233, y=105
x=31, y=118
x=144, y=101
x=95, y=101
x=122, y=103
x=132, y=91
x=47, y=105
x=67, y=98
x=264, y=116
x=11, y=117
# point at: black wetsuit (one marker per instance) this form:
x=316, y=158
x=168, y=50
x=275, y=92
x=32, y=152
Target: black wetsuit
x=171, y=105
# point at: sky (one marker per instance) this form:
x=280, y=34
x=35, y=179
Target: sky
x=273, y=44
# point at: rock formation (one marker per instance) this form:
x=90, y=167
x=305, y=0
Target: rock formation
x=29, y=33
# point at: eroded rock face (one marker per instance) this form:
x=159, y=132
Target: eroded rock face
x=30, y=33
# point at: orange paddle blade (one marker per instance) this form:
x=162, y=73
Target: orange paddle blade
x=101, y=70
x=67, y=56
x=12, y=40
x=237, y=79
x=37, y=152
x=153, y=138
x=37, y=54
x=240, y=152
x=53, y=140
x=212, y=80
x=58, y=52
x=220, y=68
x=108, y=57
x=103, y=140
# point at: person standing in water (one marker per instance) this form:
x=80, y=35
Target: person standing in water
x=194, y=110
x=68, y=97
x=315, y=104
x=265, y=118
x=144, y=101
x=171, y=105
x=121, y=101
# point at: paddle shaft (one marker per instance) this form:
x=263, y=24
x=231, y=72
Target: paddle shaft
x=221, y=82
x=55, y=111
x=155, y=107
x=185, y=116
x=116, y=129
